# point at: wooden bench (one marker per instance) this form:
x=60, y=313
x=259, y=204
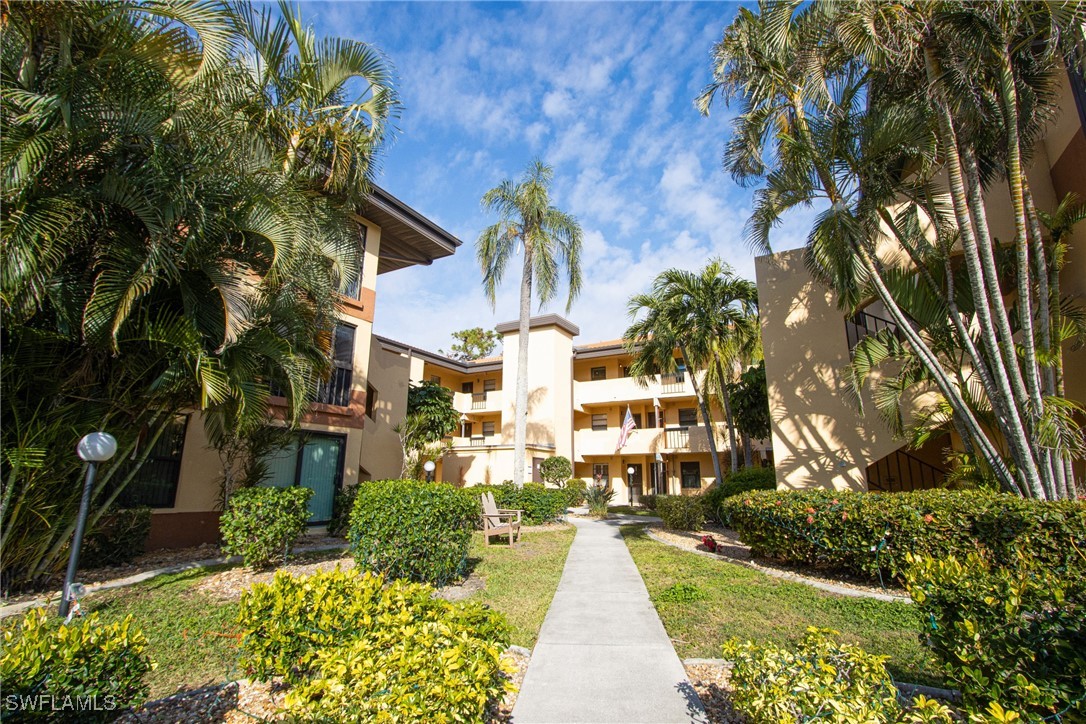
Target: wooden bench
x=499, y=521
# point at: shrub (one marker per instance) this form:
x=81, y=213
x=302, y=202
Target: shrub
x=119, y=537
x=84, y=662
x=1010, y=635
x=342, y=505
x=354, y=647
x=871, y=534
x=681, y=512
x=575, y=490
x=262, y=524
x=555, y=470
x=821, y=679
x=539, y=503
x=414, y=530
x=649, y=501
x=741, y=481
x=598, y=498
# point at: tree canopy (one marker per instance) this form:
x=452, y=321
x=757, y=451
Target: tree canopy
x=472, y=344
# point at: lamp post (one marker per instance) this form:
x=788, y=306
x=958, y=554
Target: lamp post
x=429, y=466
x=94, y=448
x=629, y=483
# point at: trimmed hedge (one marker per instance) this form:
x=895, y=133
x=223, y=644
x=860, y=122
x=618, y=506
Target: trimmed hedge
x=741, y=481
x=1016, y=636
x=342, y=505
x=411, y=529
x=871, y=534
x=539, y=503
x=681, y=512
x=575, y=489
x=356, y=647
x=85, y=660
x=262, y=524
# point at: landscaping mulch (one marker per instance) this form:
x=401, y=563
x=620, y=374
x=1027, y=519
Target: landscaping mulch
x=245, y=701
x=730, y=548
x=711, y=682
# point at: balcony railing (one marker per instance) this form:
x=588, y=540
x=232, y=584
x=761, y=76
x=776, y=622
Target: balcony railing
x=677, y=438
x=862, y=324
x=337, y=390
x=478, y=401
x=673, y=382
x=900, y=472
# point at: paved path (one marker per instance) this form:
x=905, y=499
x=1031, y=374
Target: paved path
x=602, y=654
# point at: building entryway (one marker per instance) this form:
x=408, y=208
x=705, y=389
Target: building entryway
x=314, y=461
x=635, y=481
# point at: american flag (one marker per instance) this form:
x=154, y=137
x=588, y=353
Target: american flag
x=628, y=426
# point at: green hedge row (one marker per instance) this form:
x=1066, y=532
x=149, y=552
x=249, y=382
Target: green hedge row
x=743, y=480
x=539, y=503
x=870, y=534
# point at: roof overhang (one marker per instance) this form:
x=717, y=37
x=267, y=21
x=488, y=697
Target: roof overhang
x=463, y=368
x=407, y=237
x=546, y=320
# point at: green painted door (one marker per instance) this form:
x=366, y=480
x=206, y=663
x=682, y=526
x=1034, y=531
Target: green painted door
x=320, y=471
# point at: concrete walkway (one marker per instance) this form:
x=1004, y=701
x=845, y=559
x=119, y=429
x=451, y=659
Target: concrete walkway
x=602, y=654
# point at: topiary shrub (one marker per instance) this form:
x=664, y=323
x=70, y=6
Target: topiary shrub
x=117, y=538
x=357, y=648
x=871, y=534
x=555, y=470
x=414, y=530
x=97, y=667
x=741, y=481
x=821, y=679
x=263, y=524
x=575, y=490
x=1011, y=635
x=539, y=503
x=342, y=505
x=681, y=512
x=649, y=501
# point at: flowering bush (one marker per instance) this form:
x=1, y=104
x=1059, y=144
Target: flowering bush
x=709, y=542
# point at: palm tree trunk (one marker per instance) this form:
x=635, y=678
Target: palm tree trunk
x=710, y=428
x=520, y=410
x=726, y=401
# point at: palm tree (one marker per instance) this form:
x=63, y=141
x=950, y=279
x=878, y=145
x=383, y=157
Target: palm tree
x=842, y=98
x=711, y=317
x=549, y=237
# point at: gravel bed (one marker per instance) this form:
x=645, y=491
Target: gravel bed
x=245, y=701
x=711, y=682
x=730, y=548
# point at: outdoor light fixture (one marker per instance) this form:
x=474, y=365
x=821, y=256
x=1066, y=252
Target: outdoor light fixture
x=429, y=466
x=630, y=471
x=94, y=448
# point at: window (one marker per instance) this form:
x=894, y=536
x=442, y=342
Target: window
x=490, y=385
x=600, y=474
x=688, y=417
x=599, y=373
x=488, y=429
x=436, y=379
x=337, y=390
x=354, y=289
x=155, y=484
x=468, y=387
x=690, y=474
x=637, y=420
x=465, y=429
x=371, y=400
x=599, y=422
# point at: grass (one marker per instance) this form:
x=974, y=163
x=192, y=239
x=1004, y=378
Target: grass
x=630, y=510
x=742, y=603
x=521, y=581
x=193, y=637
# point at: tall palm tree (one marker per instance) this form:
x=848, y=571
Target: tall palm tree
x=841, y=99
x=711, y=317
x=549, y=238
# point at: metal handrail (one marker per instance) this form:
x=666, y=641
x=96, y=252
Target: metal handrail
x=863, y=324
x=901, y=472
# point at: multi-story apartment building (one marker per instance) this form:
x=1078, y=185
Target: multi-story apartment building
x=577, y=401
x=819, y=437
x=181, y=481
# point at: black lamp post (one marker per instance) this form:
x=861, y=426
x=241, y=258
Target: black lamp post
x=94, y=448
x=429, y=467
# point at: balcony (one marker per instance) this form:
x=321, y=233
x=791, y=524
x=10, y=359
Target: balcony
x=626, y=389
x=478, y=401
x=862, y=324
x=475, y=441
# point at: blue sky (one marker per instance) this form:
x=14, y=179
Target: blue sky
x=601, y=91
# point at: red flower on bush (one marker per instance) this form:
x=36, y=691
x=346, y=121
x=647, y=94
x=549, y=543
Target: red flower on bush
x=844, y=515
x=811, y=511
x=929, y=518
x=810, y=519
x=709, y=542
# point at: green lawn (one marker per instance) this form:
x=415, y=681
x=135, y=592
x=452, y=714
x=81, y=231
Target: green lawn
x=748, y=605
x=194, y=638
x=521, y=581
x=630, y=510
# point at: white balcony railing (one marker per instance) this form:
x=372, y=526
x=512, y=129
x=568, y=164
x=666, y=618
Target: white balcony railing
x=478, y=401
x=627, y=389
